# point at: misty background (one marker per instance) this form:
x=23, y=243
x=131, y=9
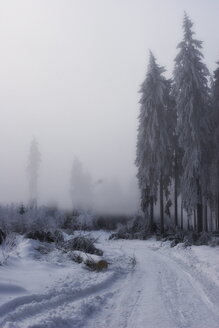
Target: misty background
x=70, y=75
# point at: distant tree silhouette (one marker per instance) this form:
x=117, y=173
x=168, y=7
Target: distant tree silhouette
x=33, y=172
x=80, y=187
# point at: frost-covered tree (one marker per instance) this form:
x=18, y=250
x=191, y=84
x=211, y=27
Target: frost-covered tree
x=33, y=172
x=176, y=152
x=192, y=98
x=215, y=143
x=153, y=142
x=80, y=187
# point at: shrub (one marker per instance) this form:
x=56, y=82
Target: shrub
x=7, y=246
x=81, y=244
x=204, y=238
x=2, y=236
x=120, y=235
x=137, y=228
x=58, y=236
x=110, y=222
x=41, y=236
x=75, y=257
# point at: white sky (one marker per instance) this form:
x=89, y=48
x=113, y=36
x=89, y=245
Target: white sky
x=69, y=75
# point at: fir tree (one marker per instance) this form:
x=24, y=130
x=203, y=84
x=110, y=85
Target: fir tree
x=192, y=98
x=153, y=142
x=22, y=209
x=176, y=152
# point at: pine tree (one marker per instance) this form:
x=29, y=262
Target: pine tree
x=153, y=143
x=32, y=171
x=192, y=98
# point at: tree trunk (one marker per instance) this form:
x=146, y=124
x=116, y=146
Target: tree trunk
x=181, y=216
x=151, y=213
x=211, y=221
x=199, y=218
x=205, y=225
x=199, y=208
x=161, y=206
x=217, y=214
x=188, y=223
x=175, y=191
x=195, y=220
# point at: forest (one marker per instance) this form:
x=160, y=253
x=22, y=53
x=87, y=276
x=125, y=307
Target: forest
x=177, y=159
x=178, y=138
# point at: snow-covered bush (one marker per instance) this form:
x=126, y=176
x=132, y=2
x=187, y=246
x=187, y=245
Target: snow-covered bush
x=21, y=219
x=204, y=238
x=137, y=228
x=44, y=236
x=214, y=241
x=81, y=244
x=189, y=238
x=76, y=220
x=12, y=218
x=9, y=243
x=2, y=236
x=110, y=222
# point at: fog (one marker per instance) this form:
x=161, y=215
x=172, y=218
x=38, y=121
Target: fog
x=69, y=76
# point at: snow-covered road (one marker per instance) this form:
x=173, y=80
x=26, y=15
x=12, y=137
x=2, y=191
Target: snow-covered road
x=159, y=290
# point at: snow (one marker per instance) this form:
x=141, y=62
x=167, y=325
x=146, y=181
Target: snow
x=148, y=283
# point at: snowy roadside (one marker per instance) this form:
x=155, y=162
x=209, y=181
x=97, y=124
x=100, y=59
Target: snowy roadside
x=203, y=260
x=49, y=290
x=36, y=287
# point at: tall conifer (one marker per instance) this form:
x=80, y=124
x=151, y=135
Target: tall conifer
x=192, y=98
x=153, y=142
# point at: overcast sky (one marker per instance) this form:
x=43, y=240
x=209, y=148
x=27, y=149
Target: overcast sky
x=69, y=75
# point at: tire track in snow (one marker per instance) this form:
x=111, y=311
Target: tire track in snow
x=208, y=290
x=26, y=307
x=136, y=302
x=185, y=297
x=160, y=293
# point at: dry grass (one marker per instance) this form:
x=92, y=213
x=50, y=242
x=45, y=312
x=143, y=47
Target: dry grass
x=96, y=266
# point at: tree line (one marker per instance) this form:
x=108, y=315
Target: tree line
x=178, y=138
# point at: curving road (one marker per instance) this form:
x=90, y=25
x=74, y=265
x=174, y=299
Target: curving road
x=147, y=290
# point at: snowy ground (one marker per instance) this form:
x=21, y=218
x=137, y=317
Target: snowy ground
x=148, y=284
